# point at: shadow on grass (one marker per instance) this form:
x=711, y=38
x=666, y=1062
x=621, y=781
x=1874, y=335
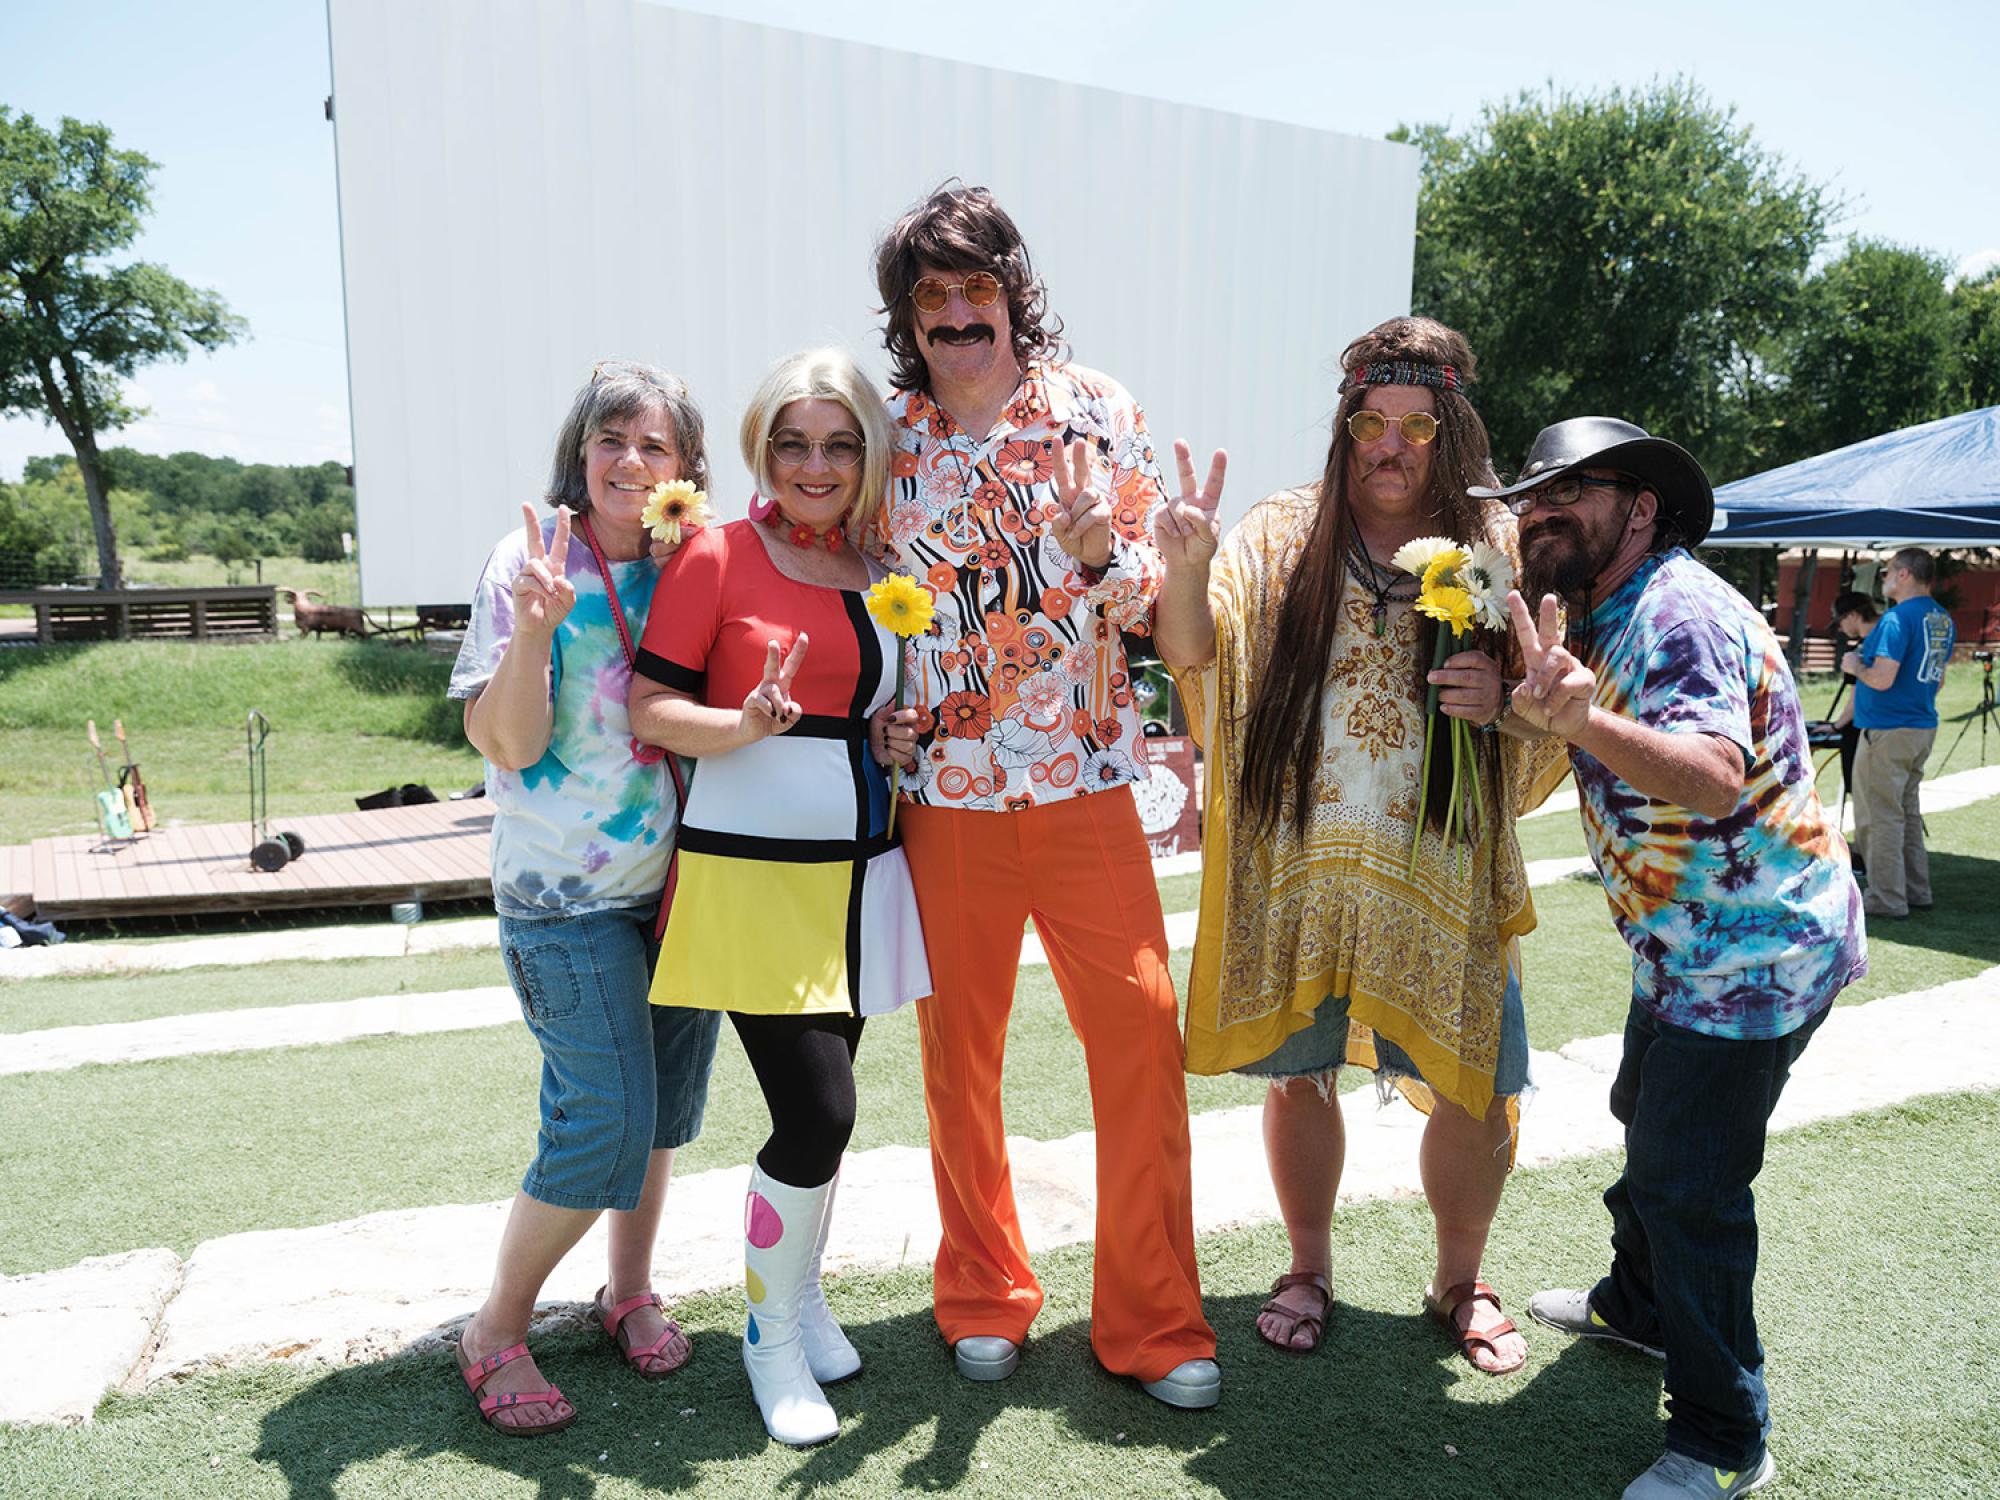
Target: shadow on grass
x=383, y=670
x=1967, y=892
x=1375, y=1412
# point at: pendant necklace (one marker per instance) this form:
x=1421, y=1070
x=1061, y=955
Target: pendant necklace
x=1364, y=568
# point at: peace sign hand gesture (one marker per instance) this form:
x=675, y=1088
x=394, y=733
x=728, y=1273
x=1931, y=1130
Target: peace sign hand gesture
x=1185, y=530
x=1082, y=523
x=770, y=709
x=1555, y=695
x=543, y=594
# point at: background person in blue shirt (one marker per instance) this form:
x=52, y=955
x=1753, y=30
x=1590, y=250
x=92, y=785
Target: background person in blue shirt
x=1897, y=672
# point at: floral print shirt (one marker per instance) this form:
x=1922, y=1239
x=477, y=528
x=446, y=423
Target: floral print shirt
x=1745, y=926
x=1024, y=693
x=587, y=827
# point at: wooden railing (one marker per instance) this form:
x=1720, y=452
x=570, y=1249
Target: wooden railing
x=242, y=613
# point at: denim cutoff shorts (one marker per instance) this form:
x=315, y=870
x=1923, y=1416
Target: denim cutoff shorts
x=1323, y=1046
x=621, y=1078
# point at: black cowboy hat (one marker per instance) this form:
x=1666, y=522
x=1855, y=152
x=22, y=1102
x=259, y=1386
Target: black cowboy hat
x=1665, y=468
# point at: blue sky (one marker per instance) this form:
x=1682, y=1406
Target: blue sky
x=1894, y=110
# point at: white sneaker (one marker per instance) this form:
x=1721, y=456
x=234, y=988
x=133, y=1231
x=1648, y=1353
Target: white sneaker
x=1193, y=1384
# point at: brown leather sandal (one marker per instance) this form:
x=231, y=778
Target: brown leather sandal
x=1313, y=1323
x=1445, y=1310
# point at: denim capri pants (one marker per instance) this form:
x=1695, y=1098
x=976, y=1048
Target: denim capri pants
x=1321, y=1047
x=621, y=1078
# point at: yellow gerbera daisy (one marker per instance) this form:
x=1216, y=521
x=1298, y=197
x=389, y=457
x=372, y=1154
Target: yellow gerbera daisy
x=1446, y=602
x=901, y=605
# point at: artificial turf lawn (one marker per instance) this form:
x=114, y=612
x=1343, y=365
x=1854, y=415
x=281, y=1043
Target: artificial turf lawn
x=189, y=1148
x=1878, y=1232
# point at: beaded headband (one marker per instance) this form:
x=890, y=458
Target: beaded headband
x=1399, y=372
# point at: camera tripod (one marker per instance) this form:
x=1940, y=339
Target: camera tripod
x=1985, y=713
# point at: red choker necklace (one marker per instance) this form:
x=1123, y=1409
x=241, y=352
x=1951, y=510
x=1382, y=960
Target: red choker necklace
x=801, y=535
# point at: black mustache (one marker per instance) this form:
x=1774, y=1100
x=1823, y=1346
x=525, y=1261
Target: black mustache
x=969, y=335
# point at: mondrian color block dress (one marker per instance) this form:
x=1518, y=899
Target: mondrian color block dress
x=790, y=898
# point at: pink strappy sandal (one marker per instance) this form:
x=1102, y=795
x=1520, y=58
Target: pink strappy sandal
x=480, y=1371
x=641, y=1360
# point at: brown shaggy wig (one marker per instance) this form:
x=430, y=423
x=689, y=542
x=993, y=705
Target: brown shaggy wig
x=1283, y=730
x=960, y=229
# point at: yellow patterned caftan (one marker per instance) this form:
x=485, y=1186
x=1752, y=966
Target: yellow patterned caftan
x=1286, y=922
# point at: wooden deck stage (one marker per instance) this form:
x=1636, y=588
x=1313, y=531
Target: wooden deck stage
x=433, y=852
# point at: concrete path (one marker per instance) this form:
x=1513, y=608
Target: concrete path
x=398, y=1281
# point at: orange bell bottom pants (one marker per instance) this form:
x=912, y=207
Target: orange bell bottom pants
x=1080, y=868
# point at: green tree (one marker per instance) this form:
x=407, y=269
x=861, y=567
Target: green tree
x=1975, y=378
x=1874, y=347
x=319, y=531
x=1634, y=254
x=35, y=548
x=71, y=326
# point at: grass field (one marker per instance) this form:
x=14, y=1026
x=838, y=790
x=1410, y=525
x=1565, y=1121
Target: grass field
x=335, y=580
x=1876, y=1233
x=348, y=717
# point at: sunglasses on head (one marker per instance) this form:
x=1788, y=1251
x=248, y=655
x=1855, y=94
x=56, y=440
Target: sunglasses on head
x=1418, y=427
x=790, y=446
x=933, y=293
x=1563, y=493
x=621, y=369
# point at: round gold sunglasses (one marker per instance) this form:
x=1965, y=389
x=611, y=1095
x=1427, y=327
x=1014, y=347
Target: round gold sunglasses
x=933, y=293
x=1418, y=427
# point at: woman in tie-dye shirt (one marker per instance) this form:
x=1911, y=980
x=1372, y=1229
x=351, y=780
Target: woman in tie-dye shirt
x=583, y=816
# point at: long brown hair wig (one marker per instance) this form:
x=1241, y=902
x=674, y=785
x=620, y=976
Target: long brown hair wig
x=1283, y=729
x=959, y=228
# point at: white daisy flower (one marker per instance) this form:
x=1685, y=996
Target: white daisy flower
x=1488, y=575
x=1414, y=557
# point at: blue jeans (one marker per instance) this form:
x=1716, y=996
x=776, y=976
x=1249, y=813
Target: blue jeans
x=621, y=1078
x=1684, y=1223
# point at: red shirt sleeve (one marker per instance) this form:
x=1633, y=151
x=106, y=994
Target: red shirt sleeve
x=686, y=613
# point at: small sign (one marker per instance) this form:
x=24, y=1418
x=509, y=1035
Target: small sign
x=1169, y=811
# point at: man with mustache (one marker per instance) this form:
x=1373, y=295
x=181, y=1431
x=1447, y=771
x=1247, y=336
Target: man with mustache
x=1019, y=495
x=1338, y=923
x=1726, y=878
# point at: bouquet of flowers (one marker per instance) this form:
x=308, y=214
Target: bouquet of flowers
x=1460, y=585
x=901, y=606
x=672, y=504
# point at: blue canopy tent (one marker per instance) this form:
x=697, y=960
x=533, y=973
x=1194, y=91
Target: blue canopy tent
x=1937, y=484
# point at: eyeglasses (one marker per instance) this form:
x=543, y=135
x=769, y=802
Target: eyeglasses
x=843, y=450
x=1417, y=427
x=933, y=293
x=624, y=369
x=1563, y=493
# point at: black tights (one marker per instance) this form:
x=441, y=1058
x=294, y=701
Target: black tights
x=805, y=1065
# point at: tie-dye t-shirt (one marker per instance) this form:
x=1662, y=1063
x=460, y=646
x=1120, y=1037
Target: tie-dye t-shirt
x=586, y=827
x=1745, y=926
